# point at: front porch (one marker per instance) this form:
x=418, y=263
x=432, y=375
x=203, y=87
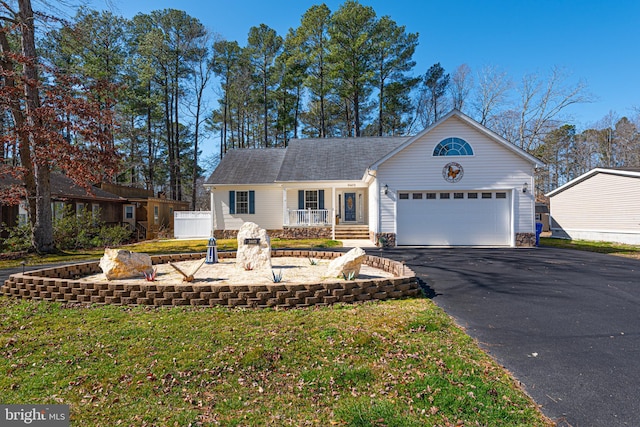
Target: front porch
x=327, y=219
x=326, y=206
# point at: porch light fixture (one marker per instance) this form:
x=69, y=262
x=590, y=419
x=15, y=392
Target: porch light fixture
x=525, y=187
x=386, y=189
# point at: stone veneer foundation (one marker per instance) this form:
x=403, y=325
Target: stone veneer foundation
x=62, y=284
x=387, y=240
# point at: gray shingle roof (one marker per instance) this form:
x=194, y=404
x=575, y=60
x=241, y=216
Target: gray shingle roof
x=313, y=159
x=62, y=187
x=333, y=159
x=248, y=166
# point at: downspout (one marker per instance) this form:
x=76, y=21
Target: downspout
x=514, y=191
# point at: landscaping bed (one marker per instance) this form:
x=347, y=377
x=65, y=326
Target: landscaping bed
x=64, y=284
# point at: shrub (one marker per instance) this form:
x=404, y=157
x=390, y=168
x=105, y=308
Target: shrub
x=19, y=238
x=83, y=230
x=72, y=231
x=112, y=235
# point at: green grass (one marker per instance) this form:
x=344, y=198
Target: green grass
x=394, y=363
x=619, y=249
x=158, y=247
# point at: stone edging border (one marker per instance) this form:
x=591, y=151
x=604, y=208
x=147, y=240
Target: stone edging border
x=61, y=284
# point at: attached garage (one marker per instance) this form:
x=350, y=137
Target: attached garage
x=456, y=184
x=464, y=218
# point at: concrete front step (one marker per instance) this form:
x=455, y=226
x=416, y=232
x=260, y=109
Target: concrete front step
x=357, y=232
x=352, y=237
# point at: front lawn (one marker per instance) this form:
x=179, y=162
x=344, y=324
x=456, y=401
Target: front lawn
x=619, y=249
x=393, y=363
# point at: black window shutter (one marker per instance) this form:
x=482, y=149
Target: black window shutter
x=232, y=202
x=320, y=199
x=300, y=199
x=252, y=202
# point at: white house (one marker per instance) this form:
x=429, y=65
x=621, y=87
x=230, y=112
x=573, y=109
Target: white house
x=601, y=205
x=455, y=183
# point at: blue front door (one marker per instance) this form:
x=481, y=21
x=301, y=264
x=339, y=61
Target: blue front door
x=349, y=206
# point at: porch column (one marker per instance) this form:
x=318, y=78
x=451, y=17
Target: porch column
x=285, y=216
x=333, y=213
x=213, y=211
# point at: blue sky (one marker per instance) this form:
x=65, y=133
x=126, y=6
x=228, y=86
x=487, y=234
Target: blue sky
x=596, y=41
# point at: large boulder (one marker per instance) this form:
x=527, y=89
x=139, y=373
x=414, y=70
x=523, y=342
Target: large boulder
x=121, y=264
x=348, y=265
x=254, y=248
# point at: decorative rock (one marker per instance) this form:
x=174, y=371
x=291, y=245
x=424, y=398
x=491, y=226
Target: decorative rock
x=121, y=264
x=254, y=248
x=347, y=265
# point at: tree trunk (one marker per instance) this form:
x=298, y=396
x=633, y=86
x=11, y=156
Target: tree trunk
x=42, y=234
x=150, y=176
x=19, y=120
x=380, y=101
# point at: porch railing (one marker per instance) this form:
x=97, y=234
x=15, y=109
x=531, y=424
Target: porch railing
x=308, y=217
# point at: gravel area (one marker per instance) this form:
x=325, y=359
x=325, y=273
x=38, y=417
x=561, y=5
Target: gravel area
x=225, y=272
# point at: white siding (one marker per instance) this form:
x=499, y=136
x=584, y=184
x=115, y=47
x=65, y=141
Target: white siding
x=492, y=167
x=602, y=207
x=268, y=214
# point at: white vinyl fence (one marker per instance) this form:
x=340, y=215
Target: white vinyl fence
x=192, y=225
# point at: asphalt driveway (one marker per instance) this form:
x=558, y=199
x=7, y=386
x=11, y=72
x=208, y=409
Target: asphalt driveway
x=565, y=323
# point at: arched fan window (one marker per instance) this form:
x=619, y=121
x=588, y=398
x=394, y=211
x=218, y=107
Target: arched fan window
x=453, y=147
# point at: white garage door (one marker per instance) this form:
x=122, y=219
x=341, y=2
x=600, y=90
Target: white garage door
x=476, y=218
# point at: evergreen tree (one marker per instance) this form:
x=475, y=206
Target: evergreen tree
x=352, y=61
x=393, y=51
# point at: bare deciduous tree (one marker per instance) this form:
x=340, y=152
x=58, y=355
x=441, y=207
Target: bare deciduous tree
x=491, y=94
x=542, y=102
x=460, y=86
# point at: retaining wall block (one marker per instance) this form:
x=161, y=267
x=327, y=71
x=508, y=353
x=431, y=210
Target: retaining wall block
x=291, y=302
x=236, y=302
x=227, y=295
x=139, y=294
x=348, y=298
x=207, y=295
x=356, y=292
x=403, y=287
x=191, y=295
x=264, y=295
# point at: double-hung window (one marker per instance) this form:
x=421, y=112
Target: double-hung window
x=242, y=202
x=311, y=199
